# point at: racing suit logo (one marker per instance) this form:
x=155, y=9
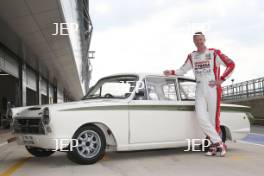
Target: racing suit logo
x=202, y=67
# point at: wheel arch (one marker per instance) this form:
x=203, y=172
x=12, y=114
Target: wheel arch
x=109, y=136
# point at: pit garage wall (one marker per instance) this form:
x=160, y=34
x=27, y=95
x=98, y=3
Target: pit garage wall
x=19, y=61
x=10, y=66
x=73, y=12
x=60, y=97
x=257, y=108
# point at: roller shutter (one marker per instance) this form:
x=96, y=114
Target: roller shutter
x=31, y=78
x=9, y=64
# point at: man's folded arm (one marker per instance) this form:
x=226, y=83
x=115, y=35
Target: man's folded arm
x=227, y=62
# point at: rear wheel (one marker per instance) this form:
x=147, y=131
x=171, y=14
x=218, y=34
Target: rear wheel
x=223, y=134
x=39, y=152
x=90, y=147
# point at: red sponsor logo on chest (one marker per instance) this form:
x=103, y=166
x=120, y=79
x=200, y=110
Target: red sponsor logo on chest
x=202, y=64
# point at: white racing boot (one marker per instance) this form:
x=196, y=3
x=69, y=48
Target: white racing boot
x=221, y=149
x=217, y=149
x=212, y=150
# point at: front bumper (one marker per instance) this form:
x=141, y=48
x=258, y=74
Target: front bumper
x=32, y=131
x=43, y=141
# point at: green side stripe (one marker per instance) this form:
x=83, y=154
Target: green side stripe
x=155, y=107
x=235, y=109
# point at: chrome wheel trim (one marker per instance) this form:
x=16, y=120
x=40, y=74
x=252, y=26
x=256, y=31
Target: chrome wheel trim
x=89, y=144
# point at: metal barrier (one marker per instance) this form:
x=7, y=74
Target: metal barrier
x=244, y=90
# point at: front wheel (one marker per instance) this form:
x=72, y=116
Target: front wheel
x=39, y=152
x=90, y=145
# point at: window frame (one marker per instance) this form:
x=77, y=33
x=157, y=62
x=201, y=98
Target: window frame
x=110, y=77
x=178, y=85
x=175, y=81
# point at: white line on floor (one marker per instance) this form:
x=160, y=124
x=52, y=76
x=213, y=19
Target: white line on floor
x=240, y=141
x=257, y=134
x=2, y=144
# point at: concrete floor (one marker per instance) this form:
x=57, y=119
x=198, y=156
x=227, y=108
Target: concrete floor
x=242, y=159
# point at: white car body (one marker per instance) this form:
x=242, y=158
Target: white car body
x=130, y=124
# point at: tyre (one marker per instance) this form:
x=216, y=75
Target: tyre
x=223, y=134
x=39, y=152
x=91, y=145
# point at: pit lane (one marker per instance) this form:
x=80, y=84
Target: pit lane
x=243, y=158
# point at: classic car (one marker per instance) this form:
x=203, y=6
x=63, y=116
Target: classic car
x=122, y=112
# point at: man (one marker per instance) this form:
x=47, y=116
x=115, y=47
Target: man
x=205, y=64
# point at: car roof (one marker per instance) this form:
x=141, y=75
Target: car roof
x=148, y=74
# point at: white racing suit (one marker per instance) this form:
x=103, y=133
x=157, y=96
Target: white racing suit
x=206, y=68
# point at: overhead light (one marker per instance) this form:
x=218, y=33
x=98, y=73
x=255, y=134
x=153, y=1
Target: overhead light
x=4, y=74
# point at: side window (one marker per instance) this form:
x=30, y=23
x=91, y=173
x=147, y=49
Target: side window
x=141, y=91
x=152, y=92
x=187, y=89
x=169, y=91
x=161, y=88
x=116, y=89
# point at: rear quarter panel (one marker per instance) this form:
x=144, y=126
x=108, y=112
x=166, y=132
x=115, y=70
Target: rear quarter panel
x=237, y=123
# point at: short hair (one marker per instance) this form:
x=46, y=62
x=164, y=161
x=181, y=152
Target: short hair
x=197, y=34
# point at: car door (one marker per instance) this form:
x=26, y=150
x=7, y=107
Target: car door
x=160, y=116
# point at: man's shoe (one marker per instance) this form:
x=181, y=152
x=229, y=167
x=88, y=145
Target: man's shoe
x=221, y=149
x=212, y=150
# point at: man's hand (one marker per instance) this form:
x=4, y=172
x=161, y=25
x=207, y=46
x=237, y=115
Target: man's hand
x=167, y=72
x=215, y=83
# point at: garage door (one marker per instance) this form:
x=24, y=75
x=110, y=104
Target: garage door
x=51, y=94
x=44, y=87
x=9, y=64
x=31, y=79
x=60, y=98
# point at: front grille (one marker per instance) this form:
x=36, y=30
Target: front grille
x=29, y=126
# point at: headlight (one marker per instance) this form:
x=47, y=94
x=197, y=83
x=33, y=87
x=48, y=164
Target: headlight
x=45, y=116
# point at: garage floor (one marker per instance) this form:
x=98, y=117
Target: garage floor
x=242, y=159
